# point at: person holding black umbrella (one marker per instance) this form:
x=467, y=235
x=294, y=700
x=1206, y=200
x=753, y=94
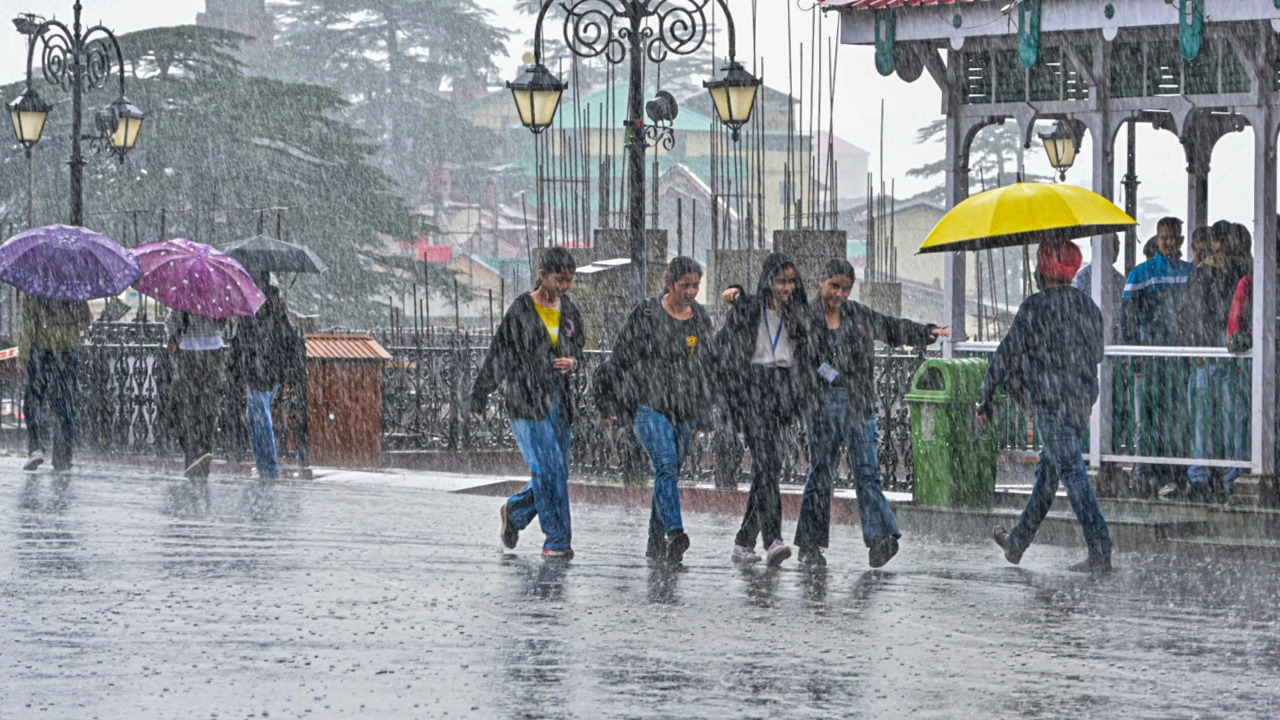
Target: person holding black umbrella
x=264, y=355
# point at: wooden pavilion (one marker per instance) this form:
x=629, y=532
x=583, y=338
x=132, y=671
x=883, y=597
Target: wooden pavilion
x=1195, y=68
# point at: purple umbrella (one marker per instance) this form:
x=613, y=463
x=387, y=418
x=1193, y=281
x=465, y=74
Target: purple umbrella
x=67, y=263
x=194, y=277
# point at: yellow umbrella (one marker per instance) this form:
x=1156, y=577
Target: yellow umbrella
x=1024, y=213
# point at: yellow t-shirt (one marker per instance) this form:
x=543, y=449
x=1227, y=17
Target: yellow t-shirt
x=550, y=318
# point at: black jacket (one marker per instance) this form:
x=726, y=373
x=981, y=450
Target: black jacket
x=1206, y=303
x=736, y=341
x=662, y=363
x=1053, y=349
x=854, y=358
x=520, y=358
x=266, y=350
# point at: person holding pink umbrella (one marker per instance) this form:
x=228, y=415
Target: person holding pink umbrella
x=203, y=287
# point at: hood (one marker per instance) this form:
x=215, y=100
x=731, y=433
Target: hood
x=772, y=264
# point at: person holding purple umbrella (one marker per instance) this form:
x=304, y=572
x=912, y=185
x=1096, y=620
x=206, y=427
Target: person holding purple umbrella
x=49, y=350
x=195, y=393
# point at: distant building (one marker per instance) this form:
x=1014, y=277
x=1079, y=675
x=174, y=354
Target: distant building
x=249, y=17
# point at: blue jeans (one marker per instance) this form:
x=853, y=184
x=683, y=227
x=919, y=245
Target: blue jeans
x=51, y=376
x=831, y=429
x=666, y=444
x=1217, y=421
x=545, y=446
x=1060, y=459
x=262, y=435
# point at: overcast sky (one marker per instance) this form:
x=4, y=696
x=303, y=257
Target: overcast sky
x=857, y=107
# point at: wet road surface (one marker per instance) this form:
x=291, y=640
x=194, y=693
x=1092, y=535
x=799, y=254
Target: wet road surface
x=130, y=595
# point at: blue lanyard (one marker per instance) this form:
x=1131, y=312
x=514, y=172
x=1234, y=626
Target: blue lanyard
x=776, y=336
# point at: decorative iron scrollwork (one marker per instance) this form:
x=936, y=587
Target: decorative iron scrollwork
x=605, y=28
x=660, y=135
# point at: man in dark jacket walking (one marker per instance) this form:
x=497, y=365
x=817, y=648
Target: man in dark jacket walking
x=843, y=342
x=265, y=353
x=537, y=345
x=768, y=383
x=1053, y=347
x=49, y=352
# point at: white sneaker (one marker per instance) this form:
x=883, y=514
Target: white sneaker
x=199, y=469
x=745, y=555
x=34, y=460
x=778, y=552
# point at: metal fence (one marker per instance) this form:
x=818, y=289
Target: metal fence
x=123, y=406
x=425, y=401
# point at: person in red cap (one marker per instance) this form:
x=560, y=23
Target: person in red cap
x=1049, y=361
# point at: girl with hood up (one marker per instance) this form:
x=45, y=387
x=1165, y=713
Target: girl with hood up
x=764, y=348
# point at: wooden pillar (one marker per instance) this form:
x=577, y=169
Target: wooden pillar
x=957, y=179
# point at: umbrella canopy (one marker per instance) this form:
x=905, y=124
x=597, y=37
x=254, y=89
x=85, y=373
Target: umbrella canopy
x=1024, y=213
x=267, y=254
x=194, y=277
x=62, y=262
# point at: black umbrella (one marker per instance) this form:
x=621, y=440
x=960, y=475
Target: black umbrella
x=266, y=254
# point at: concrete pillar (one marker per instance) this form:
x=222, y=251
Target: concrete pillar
x=957, y=179
x=1262, y=440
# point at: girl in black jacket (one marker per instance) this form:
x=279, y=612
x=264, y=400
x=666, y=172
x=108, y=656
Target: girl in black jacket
x=764, y=351
x=663, y=358
x=538, y=344
x=844, y=337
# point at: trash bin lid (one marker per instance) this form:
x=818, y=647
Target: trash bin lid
x=950, y=380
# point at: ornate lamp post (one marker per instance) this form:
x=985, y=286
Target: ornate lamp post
x=634, y=29
x=79, y=60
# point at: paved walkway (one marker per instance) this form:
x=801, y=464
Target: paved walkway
x=129, y=594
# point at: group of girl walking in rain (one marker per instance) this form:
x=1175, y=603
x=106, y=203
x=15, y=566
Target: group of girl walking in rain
x=778, y=360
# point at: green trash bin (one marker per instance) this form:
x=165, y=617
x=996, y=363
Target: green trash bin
x=955, y=458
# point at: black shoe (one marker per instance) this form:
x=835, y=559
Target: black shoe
x=1200, y=492
x=881, y=551
x=1094, y=565
x=1001, y=536
x=510, y=535
x=676, y=544
x=656, y=549
x=811, y=556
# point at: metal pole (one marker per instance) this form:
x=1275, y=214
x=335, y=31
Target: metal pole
x=635, y=156
x=77, y=159
x=1130, y=183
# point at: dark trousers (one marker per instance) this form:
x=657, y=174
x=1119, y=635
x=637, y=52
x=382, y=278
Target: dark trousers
x=1061, y=461
x=195, y=398
x=51, y=377
x=776, y=407
x=833, y=427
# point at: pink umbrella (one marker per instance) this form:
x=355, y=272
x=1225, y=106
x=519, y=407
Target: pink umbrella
x=194, y=277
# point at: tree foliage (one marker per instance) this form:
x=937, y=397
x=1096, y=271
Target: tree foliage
x=389, y=60
x=215, y=145
x=993, y=159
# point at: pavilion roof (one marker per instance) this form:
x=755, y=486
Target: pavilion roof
x=882, y=4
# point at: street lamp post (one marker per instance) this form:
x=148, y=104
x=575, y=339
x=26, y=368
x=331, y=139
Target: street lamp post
x=618, y=30
x=80, y=60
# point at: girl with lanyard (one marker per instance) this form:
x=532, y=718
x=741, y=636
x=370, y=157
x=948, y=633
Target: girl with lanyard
x=763, y=348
